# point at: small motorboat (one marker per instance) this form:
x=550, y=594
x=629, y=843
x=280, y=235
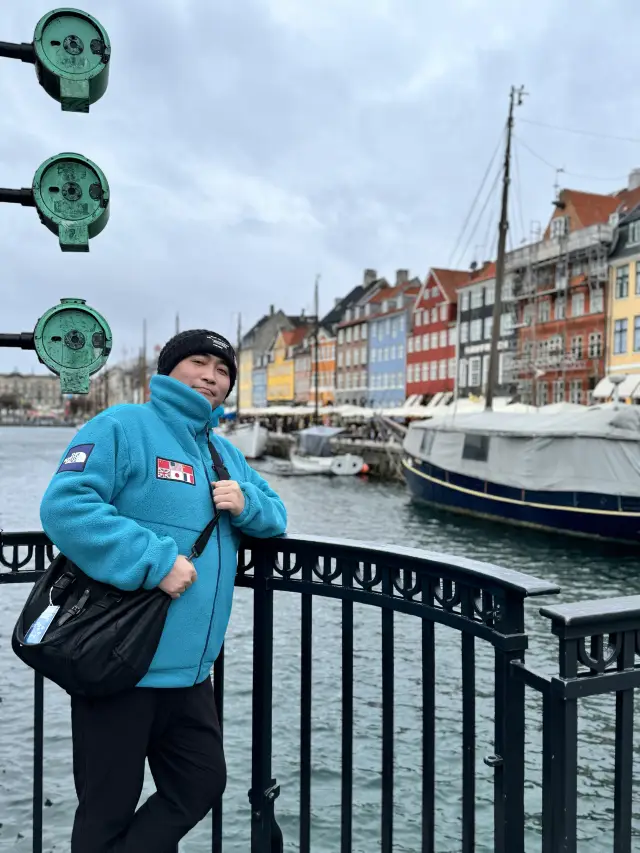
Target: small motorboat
x=314, y=454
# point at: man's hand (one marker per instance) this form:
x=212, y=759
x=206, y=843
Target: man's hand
x=227, y=494
x=180, y=578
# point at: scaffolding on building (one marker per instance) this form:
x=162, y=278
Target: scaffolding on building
x=543, y=276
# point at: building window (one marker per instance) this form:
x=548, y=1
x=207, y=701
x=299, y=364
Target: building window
x=595, y=345
x=443, y=338
x=474, y=372
x=575, y=391
x=434, y=340
x=634, y=233
x=464, y=301
x=434, y=315
x=476, y=330
x=577, y=305
x=425, y=342
x=434, y=370
x=544, y=311
x=452, y=368
x=364, y=333
x=425, y=318
x=410, y=345
x=506, y=324
x=560, y=226
x=340, y=359
x=476, y=297
x=542, y=394
x=576, y=348
x=490, y=295
x=341, y=336
x=452, y=336
x=488, y=328
x=444, y=311
x=560, y=308
x=637, y=278
x=356, y=334
x=442, y=369
x=596, y=302
x=622, y=282
x=410, y=374
x=400, y=350
x=363, y=379
x=417, y=343
x=620, y=337
x=636, y=334
x=363, y=355
x=462, y=372
x=425, y=371
x=464, y=333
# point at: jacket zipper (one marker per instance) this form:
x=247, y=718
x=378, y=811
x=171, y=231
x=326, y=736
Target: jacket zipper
x=215, y=597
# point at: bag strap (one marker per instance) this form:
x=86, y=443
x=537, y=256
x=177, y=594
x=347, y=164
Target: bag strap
x=221, y=471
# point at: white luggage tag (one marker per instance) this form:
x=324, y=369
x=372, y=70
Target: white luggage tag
x=40, y=627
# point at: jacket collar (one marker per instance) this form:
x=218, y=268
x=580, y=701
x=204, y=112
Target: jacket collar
x=175, y=401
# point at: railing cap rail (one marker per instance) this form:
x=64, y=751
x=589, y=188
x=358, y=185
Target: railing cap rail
x=595, y=611
x=526, y=585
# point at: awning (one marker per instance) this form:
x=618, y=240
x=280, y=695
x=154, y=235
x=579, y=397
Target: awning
x=603, y=390
x=628, y=386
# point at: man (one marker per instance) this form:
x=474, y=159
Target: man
x=128, y=500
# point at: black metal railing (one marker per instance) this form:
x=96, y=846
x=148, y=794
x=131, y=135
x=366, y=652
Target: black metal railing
x=481, y=601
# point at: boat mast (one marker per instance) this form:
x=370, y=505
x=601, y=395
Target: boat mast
x=238, y=352
x=316, y=358
x=515, y=99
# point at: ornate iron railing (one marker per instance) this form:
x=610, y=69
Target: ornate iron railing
x=481, y=601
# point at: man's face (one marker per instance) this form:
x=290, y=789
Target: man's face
x=207, y=374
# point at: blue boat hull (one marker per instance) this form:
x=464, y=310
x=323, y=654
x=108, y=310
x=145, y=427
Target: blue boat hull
x=606, y=517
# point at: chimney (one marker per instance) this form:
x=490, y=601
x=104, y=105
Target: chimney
x=337, y=301
x=634, y=179
x=473, y=267
x=302, y=312
x=402, y=276
x=271, y=310
x=369, y=277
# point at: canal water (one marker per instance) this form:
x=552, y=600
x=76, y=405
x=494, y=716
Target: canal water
x=356, y=509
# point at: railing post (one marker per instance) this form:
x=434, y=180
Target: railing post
x=508, y=761
x=266, y=836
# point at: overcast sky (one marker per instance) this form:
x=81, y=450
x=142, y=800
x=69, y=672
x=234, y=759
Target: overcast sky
x=250, y=144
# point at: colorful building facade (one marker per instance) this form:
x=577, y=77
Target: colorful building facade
x=431, y=346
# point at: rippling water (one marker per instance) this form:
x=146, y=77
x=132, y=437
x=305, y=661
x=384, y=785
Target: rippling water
x=357, y=510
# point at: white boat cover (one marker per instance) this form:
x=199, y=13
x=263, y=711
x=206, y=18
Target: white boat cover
x=590, y=449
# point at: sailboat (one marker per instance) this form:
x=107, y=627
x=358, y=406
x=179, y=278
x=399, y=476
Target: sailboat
x=574, y=471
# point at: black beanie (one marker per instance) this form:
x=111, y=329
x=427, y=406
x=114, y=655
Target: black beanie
x=197, y=342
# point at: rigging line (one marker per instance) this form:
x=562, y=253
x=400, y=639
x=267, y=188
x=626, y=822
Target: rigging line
x=518, y=192
x=475, y=200
x=580, y=132
x=566, y=171
x=490, y=195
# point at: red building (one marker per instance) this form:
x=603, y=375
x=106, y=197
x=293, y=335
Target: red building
x=558, y=292
x=431, y=345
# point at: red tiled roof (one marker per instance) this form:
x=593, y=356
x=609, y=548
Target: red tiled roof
x=295, y=336
x=450, y=281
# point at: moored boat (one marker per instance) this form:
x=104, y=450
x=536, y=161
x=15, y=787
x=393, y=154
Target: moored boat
x=574, y=472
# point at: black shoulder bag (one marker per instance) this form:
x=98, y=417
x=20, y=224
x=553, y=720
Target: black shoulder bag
x=100, y=640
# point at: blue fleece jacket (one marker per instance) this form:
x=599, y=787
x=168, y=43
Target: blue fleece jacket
x=131, y=493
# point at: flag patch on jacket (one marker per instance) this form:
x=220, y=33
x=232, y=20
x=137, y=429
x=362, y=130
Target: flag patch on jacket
x=167, y=469
x=76, y=458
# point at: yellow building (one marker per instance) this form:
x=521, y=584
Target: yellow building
x=245, y=385
x=623, y=314
x=281, y=367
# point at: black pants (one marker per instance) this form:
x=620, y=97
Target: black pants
x=177, y=730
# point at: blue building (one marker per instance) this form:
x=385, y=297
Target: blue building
x=388, y=344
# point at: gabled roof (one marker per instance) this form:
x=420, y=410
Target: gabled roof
x=293, y=337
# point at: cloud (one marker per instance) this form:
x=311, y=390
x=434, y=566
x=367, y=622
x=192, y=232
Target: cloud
x=253, y=144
